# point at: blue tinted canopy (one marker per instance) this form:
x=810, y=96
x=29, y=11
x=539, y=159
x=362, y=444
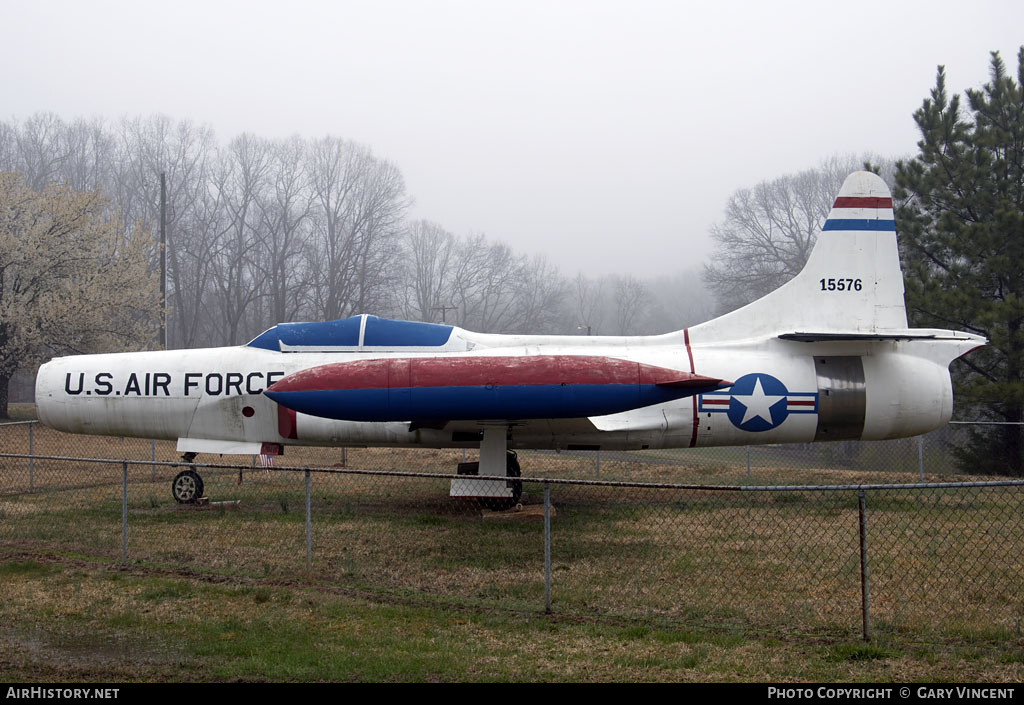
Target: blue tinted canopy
x=355, y=332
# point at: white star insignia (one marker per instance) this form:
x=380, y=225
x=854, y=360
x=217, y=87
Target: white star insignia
x=757, y=403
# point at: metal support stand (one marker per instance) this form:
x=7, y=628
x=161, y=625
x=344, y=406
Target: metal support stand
x=494, y=462
x=920, y=457
x=31, y=459
x=309, y=527
x=547, y=548
x=124, y=512
x=865, y=599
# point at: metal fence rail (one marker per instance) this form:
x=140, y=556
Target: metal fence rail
x=851, y=558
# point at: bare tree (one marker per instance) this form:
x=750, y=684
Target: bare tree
x=678, y=301
x=90, y=156
x=42, y=149
x=185, y=153
x=9, y=158
x=630, y=298
x=359, y=204
x=285, y=208
x=260, y=232
x=242, y=175
x=588, y=303
x=483, y=284
x=190, y=260
x=540, y=294
x=429, y=261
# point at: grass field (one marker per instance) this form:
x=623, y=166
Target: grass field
x=75, y=620
x=408, y=584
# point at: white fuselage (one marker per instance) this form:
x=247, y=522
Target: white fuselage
x=826, y=356
x=215, y=395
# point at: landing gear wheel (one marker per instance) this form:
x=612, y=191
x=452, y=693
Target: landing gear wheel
x=501, y=504
x=187, y=487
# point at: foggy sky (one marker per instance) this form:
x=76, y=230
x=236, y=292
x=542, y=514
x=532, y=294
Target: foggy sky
x=606, y=135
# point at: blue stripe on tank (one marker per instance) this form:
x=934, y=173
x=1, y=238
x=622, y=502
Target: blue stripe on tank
x=476, y=402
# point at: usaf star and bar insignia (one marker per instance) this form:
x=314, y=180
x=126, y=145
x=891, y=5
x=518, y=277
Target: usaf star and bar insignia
x=758, y=402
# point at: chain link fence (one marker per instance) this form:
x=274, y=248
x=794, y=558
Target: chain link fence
x=837, y=538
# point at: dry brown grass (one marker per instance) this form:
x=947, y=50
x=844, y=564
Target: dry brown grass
x=940, y=562
x=70, y=620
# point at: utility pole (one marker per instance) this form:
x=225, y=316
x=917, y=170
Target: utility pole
x=444, y=310
x=163, y=259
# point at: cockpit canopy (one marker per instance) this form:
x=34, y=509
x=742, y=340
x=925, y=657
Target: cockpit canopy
x=358, y=333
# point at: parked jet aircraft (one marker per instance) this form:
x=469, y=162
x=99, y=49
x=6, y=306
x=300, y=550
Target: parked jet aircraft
x=827, y=356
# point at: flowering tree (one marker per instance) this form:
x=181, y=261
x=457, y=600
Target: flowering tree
x=72, y=279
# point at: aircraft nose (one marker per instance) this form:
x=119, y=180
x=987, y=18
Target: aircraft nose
x=49, y=400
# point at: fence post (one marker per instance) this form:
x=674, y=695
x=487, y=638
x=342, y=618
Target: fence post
x=31, y=459
x=547, y=548
x=124, y=511
x=309, y=529
x=920, y=457
x=152, y=456
x=597, y=454
x=865, y=601
x=748, y=462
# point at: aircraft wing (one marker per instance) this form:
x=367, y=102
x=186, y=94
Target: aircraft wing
x=650, y=419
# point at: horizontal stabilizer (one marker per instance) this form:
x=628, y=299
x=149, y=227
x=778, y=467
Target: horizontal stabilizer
x=868, y=337
x=839, y=337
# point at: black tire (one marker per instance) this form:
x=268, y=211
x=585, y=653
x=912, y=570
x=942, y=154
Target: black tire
x=501, y=504
x=187, y=487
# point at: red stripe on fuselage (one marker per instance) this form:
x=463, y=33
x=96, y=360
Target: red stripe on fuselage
x=482, y=371
x=696, y=420
x=525, y=370
x=862, y=202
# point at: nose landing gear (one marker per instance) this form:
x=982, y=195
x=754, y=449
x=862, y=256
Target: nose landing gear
x=187, y=485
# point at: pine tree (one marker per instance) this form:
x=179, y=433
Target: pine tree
x=962, y=233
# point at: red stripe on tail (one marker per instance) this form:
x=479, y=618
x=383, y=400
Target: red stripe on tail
x=862, y=202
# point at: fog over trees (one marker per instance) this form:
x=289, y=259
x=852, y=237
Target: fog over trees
x=770, y=229
x=262, y=231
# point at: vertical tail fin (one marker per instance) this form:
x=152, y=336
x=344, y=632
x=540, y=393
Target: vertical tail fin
x=852, y=282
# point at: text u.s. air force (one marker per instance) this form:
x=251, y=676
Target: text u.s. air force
x=168, y=384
